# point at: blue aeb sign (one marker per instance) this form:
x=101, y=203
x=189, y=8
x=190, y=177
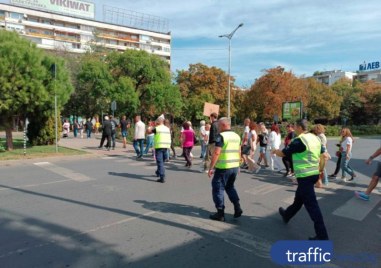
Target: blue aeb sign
x=369, y=66
x=302, y=252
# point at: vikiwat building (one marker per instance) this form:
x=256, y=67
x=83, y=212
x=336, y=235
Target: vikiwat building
x=70, y=25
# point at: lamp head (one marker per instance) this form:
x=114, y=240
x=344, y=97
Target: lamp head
x=240, y=25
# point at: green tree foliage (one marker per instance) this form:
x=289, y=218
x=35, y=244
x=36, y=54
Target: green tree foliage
x=95, y=88
x=323, y=102
x=200, y=84
x=139, y=82
x=25, y=81
x=149, y=83
x=351, y=98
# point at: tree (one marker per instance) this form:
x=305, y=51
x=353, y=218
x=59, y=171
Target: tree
x=267, y=94
x=149, y=82
x=200, y=84
x=370, y=97
x=95, y=87
x=323, y=102
x=41, y=128
x=351, y=101
x=25, y=80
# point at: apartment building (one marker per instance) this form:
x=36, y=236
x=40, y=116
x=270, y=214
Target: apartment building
x=75, y=29
x=330, y=77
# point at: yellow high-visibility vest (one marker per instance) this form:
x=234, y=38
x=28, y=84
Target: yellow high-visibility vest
x=230, y=152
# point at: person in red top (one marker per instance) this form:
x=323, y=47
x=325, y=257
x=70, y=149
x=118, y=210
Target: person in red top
x=187, y=141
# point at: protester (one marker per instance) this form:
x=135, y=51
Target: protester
x=346, y=154
x=106, y=133
x=139, y=137
x=213, y=133
x=187, y=141
x=375, y=178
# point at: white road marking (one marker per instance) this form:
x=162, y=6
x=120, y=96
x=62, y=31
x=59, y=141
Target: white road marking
x=264, y=189
x=290, y=199
x=67, y=173
x=34, y=185
x=61, y=239
x=230, y=234
x=357, y=209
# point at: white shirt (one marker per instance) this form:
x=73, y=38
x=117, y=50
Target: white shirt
x=140, y=130
x=202, y=132
x=246, y=132
x=274, y=140
x=345, y=142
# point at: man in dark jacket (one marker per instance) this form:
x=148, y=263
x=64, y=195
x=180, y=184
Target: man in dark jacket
x=106, y=133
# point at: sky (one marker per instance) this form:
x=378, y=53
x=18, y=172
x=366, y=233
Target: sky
x=303, y=36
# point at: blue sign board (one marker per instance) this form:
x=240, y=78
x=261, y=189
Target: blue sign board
x=369, y=66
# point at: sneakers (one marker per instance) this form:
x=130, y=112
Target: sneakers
x=351, y=179
x=362, y=195
x=332, y=176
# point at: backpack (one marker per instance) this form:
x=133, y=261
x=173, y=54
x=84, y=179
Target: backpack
x=113, y=125
x=265, y=138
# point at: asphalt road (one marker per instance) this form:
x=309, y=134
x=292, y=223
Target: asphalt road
x=108, y=211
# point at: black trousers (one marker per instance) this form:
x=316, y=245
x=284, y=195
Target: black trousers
x=305, y=195
x=338, y=165
x=104, y=136
x=287, y=161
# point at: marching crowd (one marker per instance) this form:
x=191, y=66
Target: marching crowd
x=224, y=153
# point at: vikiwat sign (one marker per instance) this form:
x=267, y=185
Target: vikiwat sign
x=70, y=7
x=369, y=66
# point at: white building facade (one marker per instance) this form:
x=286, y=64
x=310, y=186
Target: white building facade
x=330, y=77
x=54, y=31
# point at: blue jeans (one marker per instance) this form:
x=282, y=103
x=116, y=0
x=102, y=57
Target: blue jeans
x=223, y=180
x=345, y=167
x=88, y=131
x=160, y=157
x=139, y=147
x=203, y=149
x=305, y=195
x=149, y=144
x=113, y=139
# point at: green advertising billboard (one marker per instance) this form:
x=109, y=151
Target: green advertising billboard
x=292, y=110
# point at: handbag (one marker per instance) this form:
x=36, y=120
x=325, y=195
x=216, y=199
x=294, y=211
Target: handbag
x=338, y=153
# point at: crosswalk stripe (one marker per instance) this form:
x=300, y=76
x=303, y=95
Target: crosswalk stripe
x=67, y=173
x=264, y=189
x=230, y=234
x=356, y=209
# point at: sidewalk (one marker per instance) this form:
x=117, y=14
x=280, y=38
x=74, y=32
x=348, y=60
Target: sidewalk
x=91, y=146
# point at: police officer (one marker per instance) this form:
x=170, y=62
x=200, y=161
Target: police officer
x=162, y=142
x=305, y=151
x=225, y=161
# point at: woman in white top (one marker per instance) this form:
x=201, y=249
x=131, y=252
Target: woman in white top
x=66, y=128
x=346, y=154
x=319, y=131
x=274, y=142
x=252, y=142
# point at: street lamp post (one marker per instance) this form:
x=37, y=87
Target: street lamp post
x=230, y=36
